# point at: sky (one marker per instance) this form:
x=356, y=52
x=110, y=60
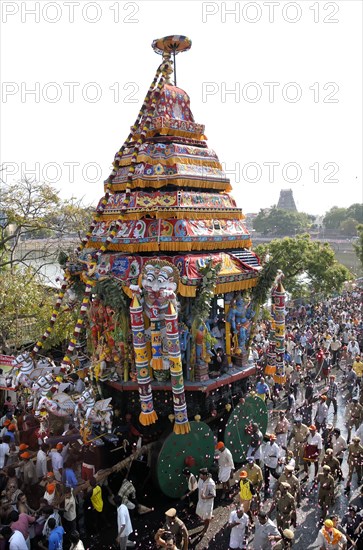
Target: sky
x=278, y=86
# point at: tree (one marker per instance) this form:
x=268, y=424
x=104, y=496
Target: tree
x=26, y=306
x=349, y=227
x=35, y=224
x=281, y=222
x=308, y=266
x=342, y=219
x=358, y=246
x=355, y=211
x=334, y=217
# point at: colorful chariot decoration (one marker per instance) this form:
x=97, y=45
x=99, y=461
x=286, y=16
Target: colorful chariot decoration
x=166, y=266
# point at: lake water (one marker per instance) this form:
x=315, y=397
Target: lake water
x=49, y=273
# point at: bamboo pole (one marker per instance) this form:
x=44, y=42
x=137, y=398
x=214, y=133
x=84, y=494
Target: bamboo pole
x=101, y=475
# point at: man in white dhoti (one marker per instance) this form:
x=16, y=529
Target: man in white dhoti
x=225, y=466
x=281, y=430
x=238, y=521
x=206, y=495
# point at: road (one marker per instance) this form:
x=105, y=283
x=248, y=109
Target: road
x=217, y=536
x=307, y=515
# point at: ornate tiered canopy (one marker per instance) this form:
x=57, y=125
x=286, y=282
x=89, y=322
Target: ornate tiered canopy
x=168, y=193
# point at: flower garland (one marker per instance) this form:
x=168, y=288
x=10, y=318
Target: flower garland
x=134, y=127
x=155, y=93
x=261, y=291
x=203, y=304
x=203, y=301
x=103, y=203
x=65, y=284
x=139, y=142
x=66, y=362
x=160, y=75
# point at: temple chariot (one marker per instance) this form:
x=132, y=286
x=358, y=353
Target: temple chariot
x=165, y=275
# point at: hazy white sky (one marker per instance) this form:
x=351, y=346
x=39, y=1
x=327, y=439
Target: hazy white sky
x=296, y=68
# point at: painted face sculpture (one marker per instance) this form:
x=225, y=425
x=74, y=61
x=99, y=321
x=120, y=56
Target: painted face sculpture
x=160, y=282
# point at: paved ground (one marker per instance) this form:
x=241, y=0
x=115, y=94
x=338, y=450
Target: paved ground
x=308, y=514
x=217, y=536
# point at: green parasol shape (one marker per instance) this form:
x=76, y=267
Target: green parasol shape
x=194, y=450
x=236, y=438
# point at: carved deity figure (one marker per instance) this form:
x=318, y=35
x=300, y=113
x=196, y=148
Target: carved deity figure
x=239, y=317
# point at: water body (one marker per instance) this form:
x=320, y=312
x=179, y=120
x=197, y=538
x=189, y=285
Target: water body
x=51, y=274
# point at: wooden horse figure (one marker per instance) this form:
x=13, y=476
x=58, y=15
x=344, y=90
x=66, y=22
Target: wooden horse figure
x=98, y=412
x=61, y=404
x=22, y=367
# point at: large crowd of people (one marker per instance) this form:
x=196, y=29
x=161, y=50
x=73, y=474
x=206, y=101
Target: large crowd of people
x=51, y=497
x=314, y=443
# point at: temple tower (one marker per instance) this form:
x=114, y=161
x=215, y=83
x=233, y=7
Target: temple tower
x=286, y=201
